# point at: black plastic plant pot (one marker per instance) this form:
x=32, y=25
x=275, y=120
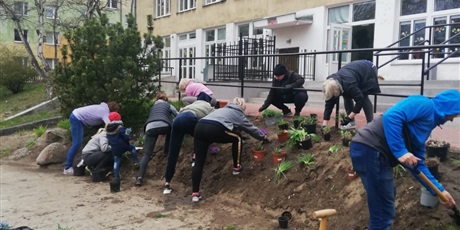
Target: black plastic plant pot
x=115, y=185
x=313, y=115
x=440, y=152
x=287, y=214
x=346, y=142
x=78, y=171
x=283, y=127
x=283, y=222
x=310, y=128
x=296, y=124
x=327, y=137
x=306, y=144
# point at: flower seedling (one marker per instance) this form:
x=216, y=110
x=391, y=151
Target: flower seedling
x=308, y=159
x=281, y=170
x=334, y=149
x=277, y=150
x=259, y=147
x=326, y=129
x=214, y=149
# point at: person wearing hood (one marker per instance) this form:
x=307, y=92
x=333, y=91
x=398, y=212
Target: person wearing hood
x=195, y=91
x=184, y=123
x=287, y=80
x=354, y=82
x=119, y=142
x=97, y=154
x=224, y=125
x=398, y=137
x=158, y=123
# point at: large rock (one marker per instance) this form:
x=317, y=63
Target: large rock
x=52, y=154
x=51, y=136
x=19, y=154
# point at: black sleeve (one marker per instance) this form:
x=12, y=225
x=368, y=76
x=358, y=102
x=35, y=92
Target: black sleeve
x=357, y=96
x=270, y=97
x=297, y=80
x=328, y=107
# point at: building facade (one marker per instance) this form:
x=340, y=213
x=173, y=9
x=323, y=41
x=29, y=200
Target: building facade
x=57, y=14
x=191, y=27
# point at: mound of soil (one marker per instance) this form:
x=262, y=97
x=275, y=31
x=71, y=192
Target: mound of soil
x=302, y=191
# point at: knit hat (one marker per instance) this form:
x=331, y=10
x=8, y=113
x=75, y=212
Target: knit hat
x=279, y=69
x=114, y=116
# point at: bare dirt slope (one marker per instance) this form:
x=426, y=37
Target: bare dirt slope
x=252, y=200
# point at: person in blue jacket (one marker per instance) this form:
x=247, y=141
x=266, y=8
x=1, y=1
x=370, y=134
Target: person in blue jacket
x=398, y=137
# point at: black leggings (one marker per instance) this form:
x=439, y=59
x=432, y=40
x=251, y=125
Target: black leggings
x=205, y=134
x=99, y=161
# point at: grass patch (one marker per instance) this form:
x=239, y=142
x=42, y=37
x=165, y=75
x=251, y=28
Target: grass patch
x=33, y=94
x=29, y=118
x=4, y=153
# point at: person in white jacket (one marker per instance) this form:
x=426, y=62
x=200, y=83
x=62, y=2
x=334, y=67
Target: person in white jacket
x=97, y=154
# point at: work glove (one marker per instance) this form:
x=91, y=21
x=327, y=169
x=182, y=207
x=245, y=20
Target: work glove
x=266, y=140
x=288, y=86
x=345, y=121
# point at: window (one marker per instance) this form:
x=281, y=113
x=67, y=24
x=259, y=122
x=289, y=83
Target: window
x=112, y=4
x=215, y=41
x=418, y=39
x=409, y=7
x=163, y=8
x=17, y=38
x=442, y=33
x=185, y=5
x=446, y=4
x=52, y=40
x=166, y=53
x=20, y=8
x=363, y=11
x=243, y=30
x=52, y=62
x=208, y=2
x=339, y=15
x=50, y=12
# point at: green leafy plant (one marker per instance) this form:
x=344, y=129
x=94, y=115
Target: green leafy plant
x=39, y=130
x=160, y=215
x=30, y=143
x=346, y=134
x=65, y=124
x=177, y=104
x=310, y=121
x=334, y=148
x=281, y=170
x=297, y=135
x=398, y=171
x=326, y=129
x=271, y=113
x=277, y=150
x=59, y=227
x=259, y=147
x=141, y=139
x=342, y=116
x=229, y=227
x=307, y=159
x=456, y=162
x=283, y=122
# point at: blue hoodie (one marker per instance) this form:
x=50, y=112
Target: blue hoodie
x=422, y=115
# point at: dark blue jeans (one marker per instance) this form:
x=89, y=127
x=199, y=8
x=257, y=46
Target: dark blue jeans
x=377, y=177
x=76, y=130
x=151, y=137
x=183, y=124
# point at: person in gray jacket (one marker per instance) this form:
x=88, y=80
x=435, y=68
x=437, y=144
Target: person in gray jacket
x=222, y=126
x=96, y=154
x=159, y=123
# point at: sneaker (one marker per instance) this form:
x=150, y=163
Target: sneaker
x=68, y=172
x=192, y=159
x=81, y=163
x=351, y=125
x=288, y=114
x=89, y=171
x=167, y=190
x=138, y=181
x=196, y=196
x=237, y=170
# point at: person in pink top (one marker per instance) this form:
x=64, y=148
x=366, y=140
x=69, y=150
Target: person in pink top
x=195, y=90
x=91, y=116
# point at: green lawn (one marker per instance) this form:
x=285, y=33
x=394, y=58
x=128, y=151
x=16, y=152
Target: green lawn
x=10, y=104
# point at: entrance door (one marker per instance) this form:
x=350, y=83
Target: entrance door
x=291, y=62
x=339, y=39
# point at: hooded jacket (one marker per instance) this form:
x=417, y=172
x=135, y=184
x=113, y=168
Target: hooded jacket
x=421, y=115
x=291, y=78
x=232, y=117
x=117, y=137
x=98, y=143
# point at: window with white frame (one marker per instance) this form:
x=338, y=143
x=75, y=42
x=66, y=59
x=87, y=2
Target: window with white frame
x=52, y=38
x=17, y=38
x=416, y=14
x=208, y=2
x=112, y=4
x=214, y=43
x=166, y=53
x=52, y=62
x=187, y=49
x=185, y=5
x=20, y=8
x=50, y=12
x=162, y=7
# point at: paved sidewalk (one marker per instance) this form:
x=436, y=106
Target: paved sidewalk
x=449, y=132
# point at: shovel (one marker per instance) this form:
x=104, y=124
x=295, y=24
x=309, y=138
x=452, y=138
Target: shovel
x=441, y=195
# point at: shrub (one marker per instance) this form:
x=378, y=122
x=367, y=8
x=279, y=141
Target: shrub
x=40, y=130
x=14, y=74
x=65, y=124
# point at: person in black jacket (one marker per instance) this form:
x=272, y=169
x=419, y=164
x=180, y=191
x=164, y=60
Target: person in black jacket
x=354, y=82
x=288, y=80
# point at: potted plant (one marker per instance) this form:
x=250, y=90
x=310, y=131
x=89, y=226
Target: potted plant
x=301, y=138
x=432, y=164
x=281, y=169
x=258, y=153
x=283, y=124
x=310, y=124
x=346, y=137
x=298, y=121
x=314, y=115
x=436, y=148
x=283, y=136
x=326, y=130
x=278, y=155
x=271, y=116
x=306, y=159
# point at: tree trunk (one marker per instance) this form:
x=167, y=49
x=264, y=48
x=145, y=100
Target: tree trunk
x=40, y=5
